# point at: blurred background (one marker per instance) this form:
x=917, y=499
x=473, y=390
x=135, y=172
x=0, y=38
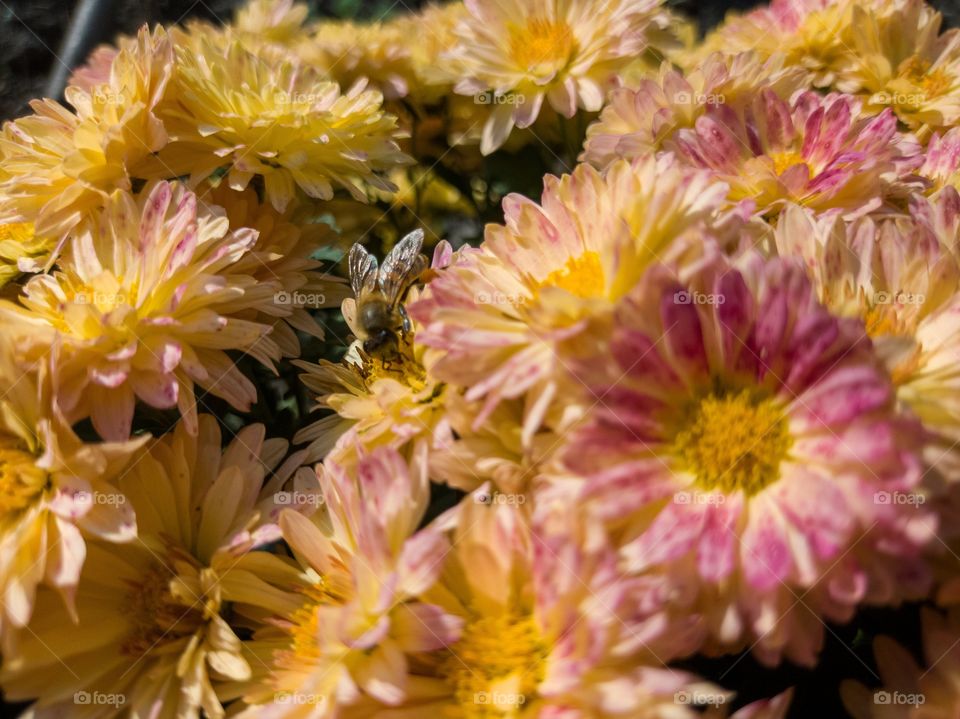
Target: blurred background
x=33, y=31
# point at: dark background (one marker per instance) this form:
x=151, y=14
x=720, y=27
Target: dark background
x=31, y=37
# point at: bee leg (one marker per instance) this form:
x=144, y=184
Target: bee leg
x=407, y=326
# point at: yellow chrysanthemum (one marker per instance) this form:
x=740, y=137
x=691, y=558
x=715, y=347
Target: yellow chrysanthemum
x=375, y=404
x=513, y=57
x=151, y=630
x=21, y=250
x=54, y=489
x=60, y=165
x=897, y=58
x=145, y=306
x=277, y=119
x=376, y=51
x=811, y=34
x=289, y=283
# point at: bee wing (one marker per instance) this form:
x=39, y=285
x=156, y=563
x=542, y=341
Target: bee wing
x=363, y=270
x=402, y=266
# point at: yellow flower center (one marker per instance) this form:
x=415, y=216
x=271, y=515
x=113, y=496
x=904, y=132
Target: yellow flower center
x=733, y=442
x=783, y=161
x=21, y=481
x=581, y=276
x=155, y=615
x=305, y=640
x=15, y=232
x=495, y=667
x=541, y=44
x=932, y=83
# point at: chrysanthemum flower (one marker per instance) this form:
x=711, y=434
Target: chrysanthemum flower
x=278, y=21
x=909, y=690
x=289, y=283
x=21, y=250
x=566, y=53
x=748, y=445
x=941, y=163
x=819, y=152
x=151, y=626
x=900, y=276
x=497, y=318
x=144, y=308
x=275, y=118
x=811, y=34
x=376, y=403
x=375, y=51
x=61, y=166
x=345, y=619
x=493, y=452
x=635, y=122
x=897, y=58
x=55, y=490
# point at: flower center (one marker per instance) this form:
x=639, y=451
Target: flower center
x=541, y=45
x=783, y=161
x=155, y=614
x=21, y=481
x=581, y=276
x=932, y=83
x=733, y=442
x=304, y=630
x=496, y=666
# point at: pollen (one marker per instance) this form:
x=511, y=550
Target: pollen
x=932, y=83
x=155, y=614
x=541, y=45
x=581, y=276
x=496, y=666
x=783, y=161
x=21, y=481
x=733, y=442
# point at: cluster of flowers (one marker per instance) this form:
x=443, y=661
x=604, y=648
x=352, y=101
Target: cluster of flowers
x=702, y=398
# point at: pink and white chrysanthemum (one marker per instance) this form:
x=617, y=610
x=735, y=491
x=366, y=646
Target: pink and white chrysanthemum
x=500, y=318
x=636, y=121
x=566, y=53
x=56, y=492
x=340, y=622
x=144, y=309
x=748, y=445
x=817, y=151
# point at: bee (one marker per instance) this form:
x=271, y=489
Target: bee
x=380, y=317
